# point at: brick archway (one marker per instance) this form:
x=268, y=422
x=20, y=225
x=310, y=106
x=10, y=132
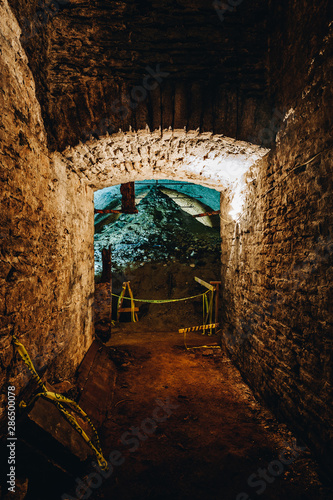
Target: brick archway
x=213, y=161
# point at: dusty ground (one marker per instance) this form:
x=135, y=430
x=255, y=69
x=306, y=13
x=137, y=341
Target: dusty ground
x=155, y=280
x=218, y=439
x=215, y=435
x=178, y=424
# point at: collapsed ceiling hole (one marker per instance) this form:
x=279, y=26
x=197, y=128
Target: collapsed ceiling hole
x=161, y=248
x=164, y=228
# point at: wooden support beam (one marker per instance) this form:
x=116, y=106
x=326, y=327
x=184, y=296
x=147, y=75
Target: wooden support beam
x=106, y=265
x=107, y=278
x=107, y=211
x=207, y=214
x=217, y=287
x=127, y=191
x=128, y=198
x=204, y=283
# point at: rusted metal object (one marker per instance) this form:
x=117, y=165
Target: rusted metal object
x=106, y=265
x=107, y=211
x=107, y=278
x=217, y=285
x=127, y=191
x=215, y=212
x=96, y=381
x=128, y=198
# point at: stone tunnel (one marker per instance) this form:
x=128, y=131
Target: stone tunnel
x=234, y=96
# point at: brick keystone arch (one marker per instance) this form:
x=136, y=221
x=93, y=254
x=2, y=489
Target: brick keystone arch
x=213, y=161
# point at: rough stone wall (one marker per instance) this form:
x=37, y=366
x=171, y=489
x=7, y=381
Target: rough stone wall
x=296, y=32
x=276, y=260
x=46, y=233
x=211, y=160
x=277, y=267
x=211, y=68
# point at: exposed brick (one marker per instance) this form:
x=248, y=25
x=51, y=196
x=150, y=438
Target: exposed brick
x=45, y=283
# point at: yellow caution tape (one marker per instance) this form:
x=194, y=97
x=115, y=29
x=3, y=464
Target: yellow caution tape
x=197, y=328
x=185, y=330
x=121, y=297
x=162, y=301
x=94, y=447
x=26, y=358
x=56, y=398
x=132, y=303
x=204, y=283
x=207, y=309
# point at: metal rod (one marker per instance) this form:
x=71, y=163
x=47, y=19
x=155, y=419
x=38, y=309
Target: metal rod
x=217, y=286
x=107, y=211
x=215, y=212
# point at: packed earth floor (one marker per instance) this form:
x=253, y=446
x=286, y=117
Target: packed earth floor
x=176, y=419
x=188, y=427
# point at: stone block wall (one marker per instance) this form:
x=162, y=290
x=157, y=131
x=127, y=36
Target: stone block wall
x=104, y=66
x=46, y=260
x=277, y=267
x=276, y=262
x=208, y=159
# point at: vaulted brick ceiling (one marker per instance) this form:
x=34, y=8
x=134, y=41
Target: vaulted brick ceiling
x=88, y=55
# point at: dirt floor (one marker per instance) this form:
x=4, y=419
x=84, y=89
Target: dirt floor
x=155, y=280
x=185, y=426
x=182, y=424
x=176, y=423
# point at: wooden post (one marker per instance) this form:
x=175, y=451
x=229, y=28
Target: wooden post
x=207, y=214
x=107, y=211
x=121, y=309
x=106, y=265
x=110, y=290
x=128, y=198
x=107, y=277
x=217, y=292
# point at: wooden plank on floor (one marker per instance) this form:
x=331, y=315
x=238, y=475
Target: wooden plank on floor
x=87, y=363
x=48, y=418
x=98, y=388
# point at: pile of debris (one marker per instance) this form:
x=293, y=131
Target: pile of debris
x=161, y=231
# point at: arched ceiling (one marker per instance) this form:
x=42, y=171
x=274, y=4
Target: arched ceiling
x=95, y=64
x=213, y=161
